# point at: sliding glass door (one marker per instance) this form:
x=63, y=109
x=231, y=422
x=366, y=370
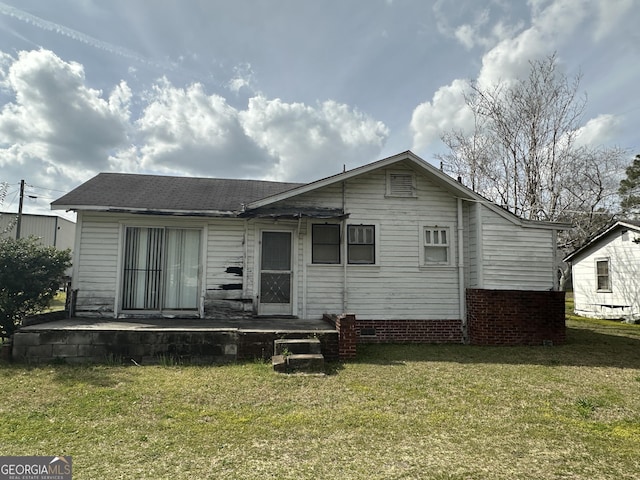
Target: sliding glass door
x=160, y=269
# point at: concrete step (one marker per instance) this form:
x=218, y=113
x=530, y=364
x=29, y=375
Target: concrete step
x=298, y=363
x=290, y=346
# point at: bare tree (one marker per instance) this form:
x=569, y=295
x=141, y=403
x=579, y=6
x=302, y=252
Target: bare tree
x=523, y=152
x=4, y=187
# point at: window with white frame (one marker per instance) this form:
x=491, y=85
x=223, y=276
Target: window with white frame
x=361, y=244
x=436, y=245
x=325, y=243
x=603, y=278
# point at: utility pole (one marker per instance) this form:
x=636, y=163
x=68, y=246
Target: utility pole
x=19, y=224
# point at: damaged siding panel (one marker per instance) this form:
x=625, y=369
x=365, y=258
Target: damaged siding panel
x=224, y=285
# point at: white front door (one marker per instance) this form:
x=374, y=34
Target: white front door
x=275, y=273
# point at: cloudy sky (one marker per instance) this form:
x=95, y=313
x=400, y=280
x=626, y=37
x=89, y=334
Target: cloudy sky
x=289, y=90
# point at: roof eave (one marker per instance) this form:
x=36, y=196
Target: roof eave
x=597, y=238
x=147, y=211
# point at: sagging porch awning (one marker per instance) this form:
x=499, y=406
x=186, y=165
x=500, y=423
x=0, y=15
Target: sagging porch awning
x=295, y=213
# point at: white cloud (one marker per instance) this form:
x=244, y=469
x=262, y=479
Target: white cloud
x=466, y=35
x=188, y=131
x=311, y=142
x=446, y=111
x=56, y=118
x=66, y=131
x=243, y=78
x=598, y=131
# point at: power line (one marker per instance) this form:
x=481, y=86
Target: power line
x=44, y=188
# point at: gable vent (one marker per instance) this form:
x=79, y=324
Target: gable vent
x=401, y=185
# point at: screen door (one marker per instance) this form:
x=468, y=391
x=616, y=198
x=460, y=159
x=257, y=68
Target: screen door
x=275, y=274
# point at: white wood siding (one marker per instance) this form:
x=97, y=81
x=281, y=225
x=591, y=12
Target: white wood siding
x=95, y=275
x=397, y=286
x=623, y=301
x=514, y=257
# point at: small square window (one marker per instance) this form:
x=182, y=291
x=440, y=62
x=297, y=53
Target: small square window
x=361, y=244
x=325, y=244
x=436, y=245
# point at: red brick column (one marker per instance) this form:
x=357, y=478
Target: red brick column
x=347, y=336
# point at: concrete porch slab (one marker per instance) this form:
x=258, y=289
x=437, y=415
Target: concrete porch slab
x=144, y=341
x=184, y=325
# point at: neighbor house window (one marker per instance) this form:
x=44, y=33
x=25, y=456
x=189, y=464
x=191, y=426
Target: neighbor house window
x=436, y=245
x=361, y=245
x=602, y=275
x=325, y=240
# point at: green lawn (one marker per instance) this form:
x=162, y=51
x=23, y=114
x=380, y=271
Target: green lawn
x=58, y=302
x=441, y=412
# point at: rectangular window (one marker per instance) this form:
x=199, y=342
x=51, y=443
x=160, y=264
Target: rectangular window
x=436, y=245
x=325, y=241
x=361, y=245
x=602, y=275
x=160, y=269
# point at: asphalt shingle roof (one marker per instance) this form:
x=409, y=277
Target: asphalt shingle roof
x=156, y=192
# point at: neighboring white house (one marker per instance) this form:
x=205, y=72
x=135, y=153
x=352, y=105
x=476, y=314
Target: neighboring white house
x=392, y=241
x=606, y=273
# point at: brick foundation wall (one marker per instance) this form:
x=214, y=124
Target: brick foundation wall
x=352, y=331
x=409, y=331
x=515, y=317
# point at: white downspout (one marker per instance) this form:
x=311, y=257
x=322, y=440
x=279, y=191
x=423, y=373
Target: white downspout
x=556, y=264
x=461, y=289
x=479, y=247
x=345, y=291
x=203, y=265
x=245, y=265
x=303, y=244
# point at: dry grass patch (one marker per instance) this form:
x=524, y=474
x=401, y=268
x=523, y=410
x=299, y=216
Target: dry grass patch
x=441, y=412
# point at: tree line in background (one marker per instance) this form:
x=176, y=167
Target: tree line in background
x=525, y=154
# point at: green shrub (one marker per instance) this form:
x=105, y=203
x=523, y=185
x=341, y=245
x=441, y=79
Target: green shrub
x=30, y=275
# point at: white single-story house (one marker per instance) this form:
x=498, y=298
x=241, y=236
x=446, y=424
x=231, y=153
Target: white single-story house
x=606, y=273
x=397, y=242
